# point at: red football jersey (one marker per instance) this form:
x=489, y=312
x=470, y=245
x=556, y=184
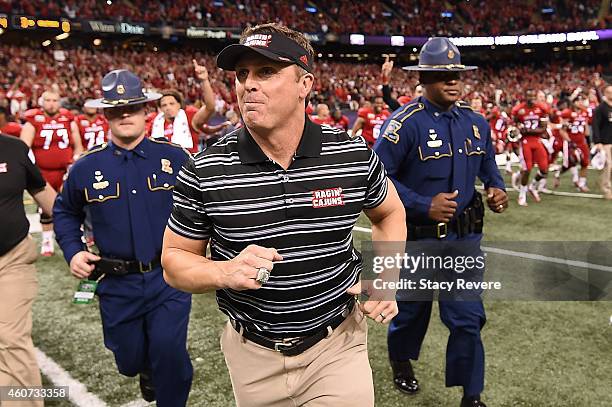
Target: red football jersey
x=555, y=119
x=530, y=117
x=342, y=123
x=315, y=119
x=12, y=129
x=578, y=121
x=498, y=124
x=591, y=111
x=190, y=111
x=93, y=132
x=372, y=122
x=52, y=146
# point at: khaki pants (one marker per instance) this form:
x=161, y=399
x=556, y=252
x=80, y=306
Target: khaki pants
x=335, y=372
x=18, y=288
x=604, y=181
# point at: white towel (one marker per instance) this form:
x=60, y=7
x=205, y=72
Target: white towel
x=181, y=134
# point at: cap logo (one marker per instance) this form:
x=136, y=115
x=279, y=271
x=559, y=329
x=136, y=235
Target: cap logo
x=304, y=59
x=258, y=40
x=451, y=54
x=120, y=89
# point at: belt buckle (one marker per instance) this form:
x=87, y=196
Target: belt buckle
x=442, y=230
x=145, y=268
x=285, y=342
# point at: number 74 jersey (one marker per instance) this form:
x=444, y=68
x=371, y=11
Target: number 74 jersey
x=52, y=145
x=93, y=132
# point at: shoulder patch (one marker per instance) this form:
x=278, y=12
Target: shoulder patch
x=391, y=132
x=94, y=149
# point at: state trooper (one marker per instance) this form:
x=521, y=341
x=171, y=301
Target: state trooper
x=434, y=148
x=126, y=185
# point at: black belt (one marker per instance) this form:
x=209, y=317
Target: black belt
x=119, y=267
x=468, y=221
x=293, y=346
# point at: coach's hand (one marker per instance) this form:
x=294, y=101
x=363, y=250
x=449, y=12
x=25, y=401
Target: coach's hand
x=240, y=272
x=443, y=206
x=81, y=264
x=497, y=199
x=376, y=307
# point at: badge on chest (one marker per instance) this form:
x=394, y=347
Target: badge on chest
x=433, y=141
x=100, y=183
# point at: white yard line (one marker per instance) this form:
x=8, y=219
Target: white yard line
x=531, y=256
x=539, y=257
x=78, y=393
x=559, y=193
x=137, y=403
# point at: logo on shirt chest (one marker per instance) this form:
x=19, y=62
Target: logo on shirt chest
x=3, y=167
x=324, y=198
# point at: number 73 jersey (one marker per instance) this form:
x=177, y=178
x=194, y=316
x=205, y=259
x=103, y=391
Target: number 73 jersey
x=52, y=145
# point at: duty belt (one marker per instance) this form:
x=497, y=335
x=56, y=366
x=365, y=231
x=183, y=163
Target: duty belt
x=119, y=267
x=293, y=346
x=468, y=221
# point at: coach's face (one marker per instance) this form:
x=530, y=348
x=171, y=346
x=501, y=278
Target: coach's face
x=269, y=93
x=126, y=123
x=442, y=88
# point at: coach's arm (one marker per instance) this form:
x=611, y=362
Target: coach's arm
x=388, y=239
x=186, y=267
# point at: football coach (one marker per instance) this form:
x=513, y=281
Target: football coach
x=277, y=201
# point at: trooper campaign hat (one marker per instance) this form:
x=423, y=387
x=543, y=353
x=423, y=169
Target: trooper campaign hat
x=275, y=46
x=121, y=88
x=439, y=54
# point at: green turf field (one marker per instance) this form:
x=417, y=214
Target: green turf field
x=538, y=353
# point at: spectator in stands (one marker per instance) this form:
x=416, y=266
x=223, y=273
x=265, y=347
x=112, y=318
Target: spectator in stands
x=179, y=123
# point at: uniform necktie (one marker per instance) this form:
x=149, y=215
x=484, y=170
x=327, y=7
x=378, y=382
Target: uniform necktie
x=144, y=249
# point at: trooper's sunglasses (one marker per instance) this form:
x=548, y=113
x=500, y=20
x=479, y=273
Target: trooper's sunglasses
x=112, y=113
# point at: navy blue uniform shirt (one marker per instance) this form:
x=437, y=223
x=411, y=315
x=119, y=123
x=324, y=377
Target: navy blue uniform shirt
x=129, y=196
x=426, y=151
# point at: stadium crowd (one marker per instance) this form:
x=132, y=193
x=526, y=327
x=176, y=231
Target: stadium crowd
x=378, y=17
x=343, y=85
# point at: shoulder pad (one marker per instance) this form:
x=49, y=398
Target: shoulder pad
x=31, y=113
x=94, y=149
x=163, y=140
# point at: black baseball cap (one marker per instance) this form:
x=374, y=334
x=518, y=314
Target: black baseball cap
x=274, y=46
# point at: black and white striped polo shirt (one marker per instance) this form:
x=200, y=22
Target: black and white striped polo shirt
x=234, y=195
